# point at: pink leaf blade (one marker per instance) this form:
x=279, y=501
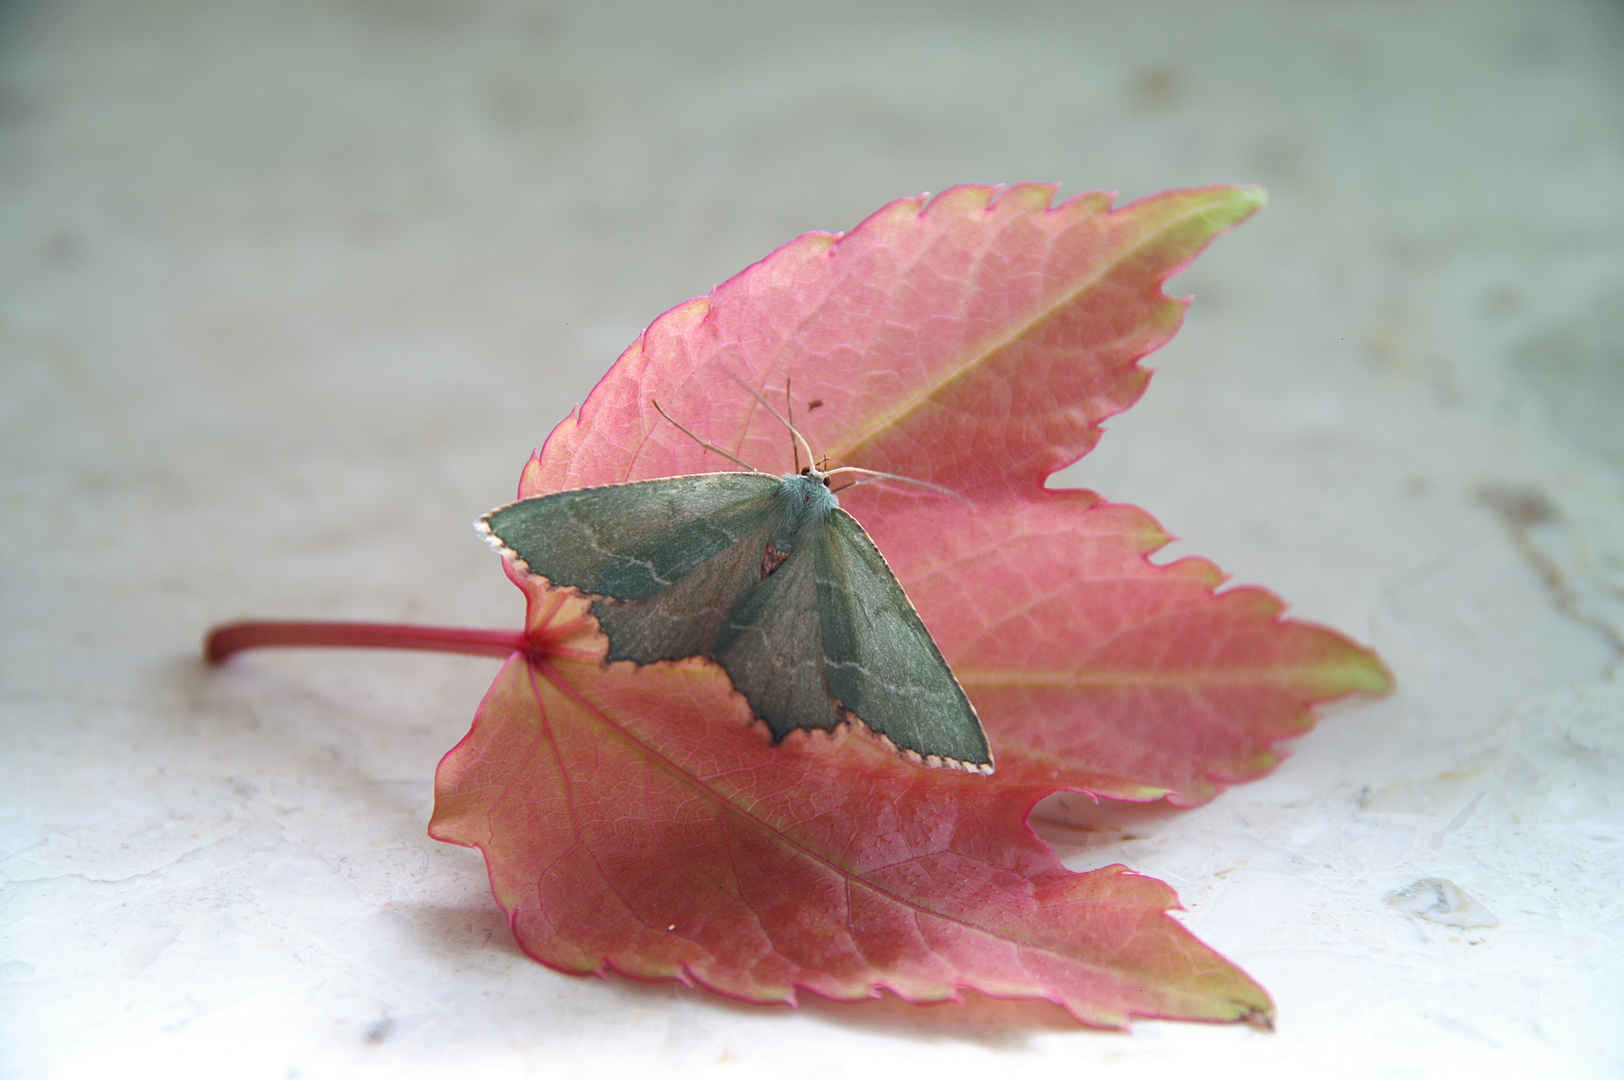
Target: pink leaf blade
x=976, y=339
x=1095, y=669
x=620, y=841
x=1054, y=309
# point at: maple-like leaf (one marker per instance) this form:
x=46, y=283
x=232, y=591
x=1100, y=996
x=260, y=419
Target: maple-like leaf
x=635, y=820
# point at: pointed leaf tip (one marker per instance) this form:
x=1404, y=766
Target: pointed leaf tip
x=1244, y=201
x=533, y=474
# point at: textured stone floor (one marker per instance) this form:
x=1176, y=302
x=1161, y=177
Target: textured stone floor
x=288, y=290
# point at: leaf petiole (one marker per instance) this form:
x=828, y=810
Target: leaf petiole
x=224, y=641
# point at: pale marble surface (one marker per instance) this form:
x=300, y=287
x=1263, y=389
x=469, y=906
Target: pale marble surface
x=291, y=289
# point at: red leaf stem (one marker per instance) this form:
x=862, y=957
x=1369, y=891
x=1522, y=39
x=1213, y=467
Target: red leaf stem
x=223, y=641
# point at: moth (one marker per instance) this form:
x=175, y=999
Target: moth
x=764, y=575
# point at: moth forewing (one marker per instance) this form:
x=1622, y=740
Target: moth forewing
x=629, y=541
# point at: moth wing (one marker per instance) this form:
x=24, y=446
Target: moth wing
x=629, y=541
x=881, y=663
x=672, y=557
x=771, y=648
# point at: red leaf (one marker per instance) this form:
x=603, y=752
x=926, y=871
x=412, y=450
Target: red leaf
x=633, y=820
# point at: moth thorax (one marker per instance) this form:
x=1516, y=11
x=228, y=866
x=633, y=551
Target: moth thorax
x=803, y=502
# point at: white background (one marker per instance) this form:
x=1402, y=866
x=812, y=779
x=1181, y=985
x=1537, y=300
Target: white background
x=288, y=291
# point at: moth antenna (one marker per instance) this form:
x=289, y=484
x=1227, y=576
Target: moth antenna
x=800, y=439
x=789, y=415
x=702, y=442
x=870, y=476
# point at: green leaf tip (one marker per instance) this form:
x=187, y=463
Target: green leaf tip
x=1232, y=204
x=1368, y=675
x=1248, y=199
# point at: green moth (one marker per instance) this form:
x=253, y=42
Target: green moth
x=768, y=577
